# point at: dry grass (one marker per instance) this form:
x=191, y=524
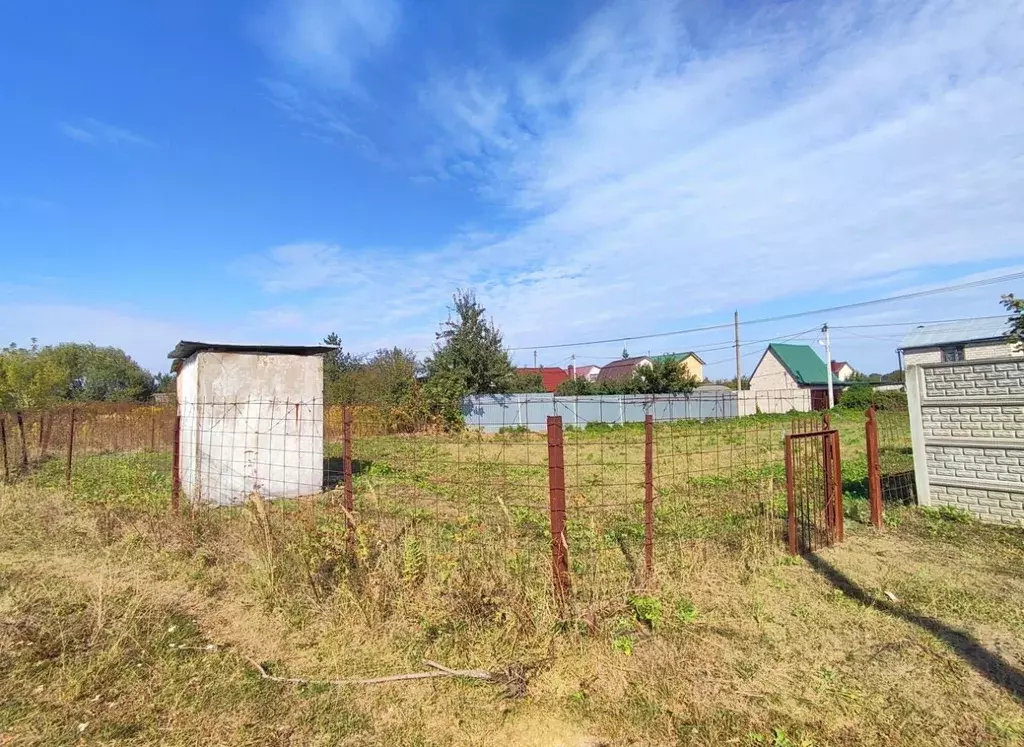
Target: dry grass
x=120, y=624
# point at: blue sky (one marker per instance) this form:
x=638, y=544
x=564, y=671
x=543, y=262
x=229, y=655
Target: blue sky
x=272, y=171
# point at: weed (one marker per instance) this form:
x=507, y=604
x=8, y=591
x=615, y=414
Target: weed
x=947, y=513
x=647, y=610
x=685, y=612
x=778, y=738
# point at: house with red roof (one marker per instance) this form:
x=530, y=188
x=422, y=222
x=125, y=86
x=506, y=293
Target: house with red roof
x=550, y=377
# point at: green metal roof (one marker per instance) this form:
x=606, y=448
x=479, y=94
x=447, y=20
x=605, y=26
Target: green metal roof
x=803, y=364
x=677, y=357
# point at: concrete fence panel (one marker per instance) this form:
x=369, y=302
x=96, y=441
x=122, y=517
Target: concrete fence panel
x=967, y=427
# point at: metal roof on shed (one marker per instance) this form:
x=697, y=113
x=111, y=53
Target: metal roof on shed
x=188, y=348
x=948, y=333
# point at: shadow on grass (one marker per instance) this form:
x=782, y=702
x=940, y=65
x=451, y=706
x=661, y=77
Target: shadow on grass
x=334, y=470
x=897, y=488
x=989, y=665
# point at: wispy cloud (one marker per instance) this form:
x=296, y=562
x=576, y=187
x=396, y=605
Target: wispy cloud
x=93, y=132
x=653, y=177
x=326, y=40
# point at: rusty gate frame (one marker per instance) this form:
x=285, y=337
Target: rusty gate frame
x=799, y=524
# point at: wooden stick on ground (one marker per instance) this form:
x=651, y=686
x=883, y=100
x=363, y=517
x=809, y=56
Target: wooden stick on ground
x=441, y=671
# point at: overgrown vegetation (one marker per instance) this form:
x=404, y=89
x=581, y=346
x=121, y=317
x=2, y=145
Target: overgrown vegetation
x=660, y=377
x=36, y=377
x=861, y=397
x=123, y=624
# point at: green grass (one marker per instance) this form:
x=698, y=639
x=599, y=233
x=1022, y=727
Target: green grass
x=140, y=624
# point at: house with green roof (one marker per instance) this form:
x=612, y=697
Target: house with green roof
x=689, y=360
x=796, y=372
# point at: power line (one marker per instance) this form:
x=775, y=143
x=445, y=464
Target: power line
x=927, y=321
x=783, y=317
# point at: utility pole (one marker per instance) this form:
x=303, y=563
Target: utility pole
x=574, y=365
x=828, y=367
x=739, y=370
x=535, y=359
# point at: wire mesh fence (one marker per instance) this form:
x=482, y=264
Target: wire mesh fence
x=589, y=508
x=896, y=456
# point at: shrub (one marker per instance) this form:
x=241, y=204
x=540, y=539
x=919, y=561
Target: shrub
x=862, y=397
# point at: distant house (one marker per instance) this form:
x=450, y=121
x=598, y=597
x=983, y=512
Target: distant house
x=793, y=368
x=550, y=377
x=690, y=361
x=587, y=373
x=163, y=398
x=958, y=341
x=622, y=368
x=842, y=370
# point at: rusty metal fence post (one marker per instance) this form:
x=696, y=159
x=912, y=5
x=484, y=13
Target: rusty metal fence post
x=837, y=484
x=3, y=445
x=44, y=436
x=649, y=495
x=24, y=443
x=874, y=468
x=176, y=467
x=152, y=431
x=791, y=499
x=71, y=450
x=556, y=497
x=346, y=467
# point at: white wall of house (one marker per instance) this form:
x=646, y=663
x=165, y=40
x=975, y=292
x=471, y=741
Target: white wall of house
x=973, y=351
x=694, y=367
x=845, y=372
x=251, y=423
x=753, y=401
x=771, y=375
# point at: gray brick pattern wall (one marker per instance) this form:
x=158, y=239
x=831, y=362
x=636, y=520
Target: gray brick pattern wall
x=982, y=378
x=967, y=425
x=976, y=464
x=983, y=421
x=988, y=505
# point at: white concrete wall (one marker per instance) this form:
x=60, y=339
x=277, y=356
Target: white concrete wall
x=188, y=393
x=771, y=375
x=967, y=428
x=972, y=352
x=776, y=401
x=255, y=424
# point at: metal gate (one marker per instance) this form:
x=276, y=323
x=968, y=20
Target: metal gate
x=814, y=490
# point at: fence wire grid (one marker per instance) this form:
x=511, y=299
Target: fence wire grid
x=638, y=497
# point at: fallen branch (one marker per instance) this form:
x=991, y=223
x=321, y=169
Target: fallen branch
x=439, y=671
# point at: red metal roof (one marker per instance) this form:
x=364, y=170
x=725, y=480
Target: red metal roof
x=550, y=377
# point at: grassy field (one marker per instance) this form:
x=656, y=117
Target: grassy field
x=123, y=624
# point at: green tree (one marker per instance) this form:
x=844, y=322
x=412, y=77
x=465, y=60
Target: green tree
x=391, y=377
x=663, y=377
x=26, y=381
x=625, y=353
x=39, y=377
x=527, y=383
x=166, y=383
x=576, y=388
x=1015, y=322
x=343, y=383
x=468, y=358
x=99, y=374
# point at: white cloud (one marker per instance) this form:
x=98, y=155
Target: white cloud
x=93, y=132
x=326, y=40
x=810, y=148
